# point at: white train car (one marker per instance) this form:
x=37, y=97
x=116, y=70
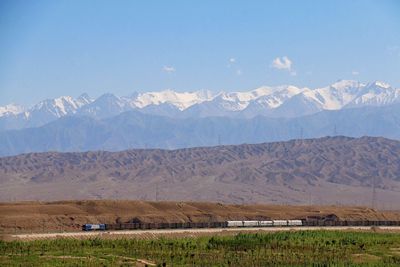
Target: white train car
x=235, y=223
x=265, y=223
x=295, y=223
x=250, y=223
x=279, y=222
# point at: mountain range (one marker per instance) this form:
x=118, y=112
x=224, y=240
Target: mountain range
x=133, y=129
x=172, y=120
x=273, y=102
x=329, y=170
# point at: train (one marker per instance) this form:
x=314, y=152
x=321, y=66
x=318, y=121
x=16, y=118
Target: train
x=233, y=224
x=94, y=227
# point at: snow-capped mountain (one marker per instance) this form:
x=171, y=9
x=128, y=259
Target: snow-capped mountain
x=280, y=101
x=11, y=109
x=61, y=106
x=43, y=112
x=105, y=106
x=376, y=94
x=180, y=100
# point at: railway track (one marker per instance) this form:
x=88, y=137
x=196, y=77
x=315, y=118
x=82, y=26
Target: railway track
x=230, y=224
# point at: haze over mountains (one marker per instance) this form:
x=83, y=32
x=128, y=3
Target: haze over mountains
x=173, y=120
x=330, y=170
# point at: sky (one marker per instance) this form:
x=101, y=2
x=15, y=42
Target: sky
x=54, y=48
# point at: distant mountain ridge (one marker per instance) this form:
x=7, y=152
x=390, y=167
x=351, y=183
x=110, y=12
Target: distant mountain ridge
x=133, y=129
x=275, y=102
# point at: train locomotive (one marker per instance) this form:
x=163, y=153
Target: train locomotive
x=94, y=227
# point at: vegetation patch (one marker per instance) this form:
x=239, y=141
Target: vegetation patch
x=301, y=248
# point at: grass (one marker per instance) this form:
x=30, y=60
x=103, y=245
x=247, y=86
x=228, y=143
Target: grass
x=301, y=248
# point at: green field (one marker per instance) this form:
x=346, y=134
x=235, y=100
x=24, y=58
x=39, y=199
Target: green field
x=317, y=248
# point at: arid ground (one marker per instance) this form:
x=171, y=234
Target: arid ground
x=25, y=217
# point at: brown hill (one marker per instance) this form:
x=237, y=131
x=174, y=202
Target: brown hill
x=70, y=215
x=331, y=170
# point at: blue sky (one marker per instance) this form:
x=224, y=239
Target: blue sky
x=53, y=48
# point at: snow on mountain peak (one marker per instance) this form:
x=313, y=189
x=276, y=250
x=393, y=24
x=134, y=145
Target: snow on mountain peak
x=380, y=84
x=180, y=100
x=346, y=84
x=84, y=99
x=260, y=101
x=335, y=96
x=11, y=109
x=278, y=95
x=59, y=107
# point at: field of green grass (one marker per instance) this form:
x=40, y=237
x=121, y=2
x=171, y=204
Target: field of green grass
x=317, y=248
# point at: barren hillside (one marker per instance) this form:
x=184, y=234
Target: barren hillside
x=337, y=170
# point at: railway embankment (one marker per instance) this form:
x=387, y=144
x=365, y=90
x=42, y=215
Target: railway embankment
x=69, y=216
